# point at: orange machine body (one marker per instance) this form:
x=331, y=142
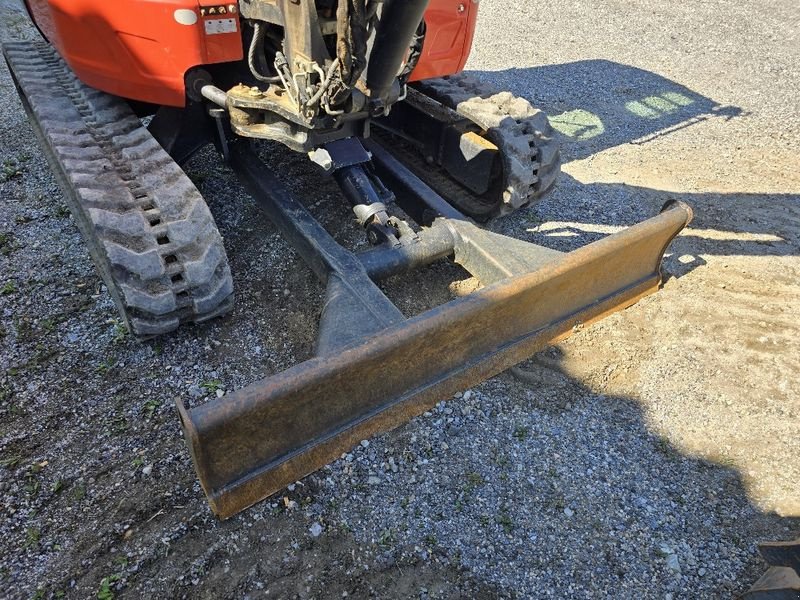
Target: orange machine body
x=141, y=49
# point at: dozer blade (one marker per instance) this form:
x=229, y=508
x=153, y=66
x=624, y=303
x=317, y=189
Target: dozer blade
x=255, y=441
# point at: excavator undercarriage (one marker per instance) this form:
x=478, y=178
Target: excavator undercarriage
x=421, y=160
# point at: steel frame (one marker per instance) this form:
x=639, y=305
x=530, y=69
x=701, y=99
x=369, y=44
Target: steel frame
x=374, y=369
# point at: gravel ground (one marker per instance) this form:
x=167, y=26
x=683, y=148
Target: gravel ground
x=646, y=458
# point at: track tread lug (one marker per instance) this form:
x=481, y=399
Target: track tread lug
x=143, y=219
x=531, y=156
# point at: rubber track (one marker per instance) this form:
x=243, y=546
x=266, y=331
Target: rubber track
x=529, y=150
x=147, y=226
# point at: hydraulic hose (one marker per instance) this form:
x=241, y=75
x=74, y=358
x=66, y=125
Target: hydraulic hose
x=393, y=38
x=255, y=44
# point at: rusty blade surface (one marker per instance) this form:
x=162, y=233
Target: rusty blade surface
x=255, y=441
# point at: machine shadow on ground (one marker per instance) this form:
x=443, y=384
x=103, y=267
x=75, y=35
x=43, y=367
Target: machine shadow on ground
x=601, y=104
x=595, y=105
x=734, y=224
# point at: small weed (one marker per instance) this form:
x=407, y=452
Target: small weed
x=387, y=538
x=104, y=367
x=120, y=333
x=665, y=448
x=62, y=212
x=119, y=425
x=484, y=520
x=23, y=327
x=455, y=560
x=199, y=176
x=431, y=540
x=9, y=287
x=7, y=245
x=79, y=492
x=150, y=408
x=57, y=486
x=727, y=462
x=41, y=356
x=49, y=325
x=32, y=537
x=121, y=561
x=11, y=461
x=32, y=486
x=39, y=594
x=501, y=460
x=212, y=385
x=473, y=480
x=137, y=462
x=504, y=520
x=105, y=593
x=11, y=169
x=559, y=503
x=521, y=433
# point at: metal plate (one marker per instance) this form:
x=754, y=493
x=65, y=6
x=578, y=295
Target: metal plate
x=216, y=26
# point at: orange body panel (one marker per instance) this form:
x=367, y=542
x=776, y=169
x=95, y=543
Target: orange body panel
x=451, y=27
x=137, y=49
x=141, y=49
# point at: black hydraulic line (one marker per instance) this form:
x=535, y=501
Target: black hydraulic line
x=401, y=177
x=356, y=185
x=430, y=245
x=257, y=49
x=393, y=38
